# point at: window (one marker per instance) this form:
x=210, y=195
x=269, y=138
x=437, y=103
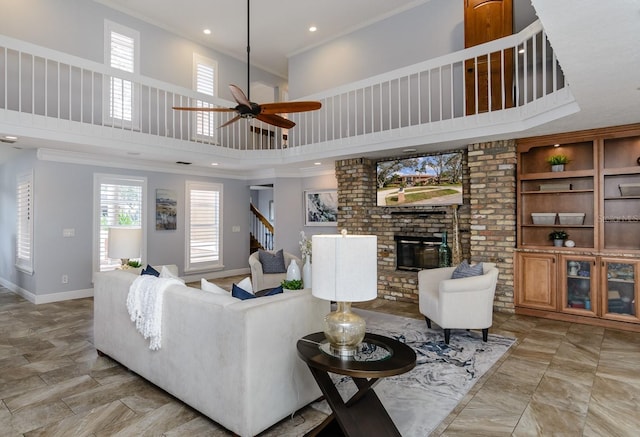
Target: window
x=121, y=53
x=203, y=224
x=205, y=82
x=120, y=201
x=24, y=231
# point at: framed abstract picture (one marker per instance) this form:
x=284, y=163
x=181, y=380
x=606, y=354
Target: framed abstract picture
x=321, y=208
x=166, y=210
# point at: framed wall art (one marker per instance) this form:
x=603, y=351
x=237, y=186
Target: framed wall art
x=321, y=208
x=166, y=210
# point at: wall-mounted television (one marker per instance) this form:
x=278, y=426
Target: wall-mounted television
x=429, y=180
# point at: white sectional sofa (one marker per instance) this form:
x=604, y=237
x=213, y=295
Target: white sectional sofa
x=233, y=360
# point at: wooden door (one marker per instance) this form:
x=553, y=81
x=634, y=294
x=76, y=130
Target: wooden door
x=536, y=285
x=484, y=21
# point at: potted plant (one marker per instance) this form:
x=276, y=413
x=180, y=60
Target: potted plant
x=558, y=237
x=292, y=284
x=558, y=162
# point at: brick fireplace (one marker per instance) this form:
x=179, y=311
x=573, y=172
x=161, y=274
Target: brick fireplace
x=487, y=219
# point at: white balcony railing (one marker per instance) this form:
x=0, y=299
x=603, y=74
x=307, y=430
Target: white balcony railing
x=40, y=86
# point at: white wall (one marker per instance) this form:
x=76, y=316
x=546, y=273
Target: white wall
x=63, y=199
x=427, y=31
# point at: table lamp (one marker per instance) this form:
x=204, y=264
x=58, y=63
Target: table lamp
x=124, y=243
x=344, y=270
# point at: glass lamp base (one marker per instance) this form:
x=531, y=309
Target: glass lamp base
x=344, y=330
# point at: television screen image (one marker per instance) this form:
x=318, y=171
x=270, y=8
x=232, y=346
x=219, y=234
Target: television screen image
x=430, y=180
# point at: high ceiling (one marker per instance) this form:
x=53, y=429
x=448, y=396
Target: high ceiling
x=279, y=28
x=595, y=41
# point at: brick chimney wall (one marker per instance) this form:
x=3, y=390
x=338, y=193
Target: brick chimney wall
x=486, y=219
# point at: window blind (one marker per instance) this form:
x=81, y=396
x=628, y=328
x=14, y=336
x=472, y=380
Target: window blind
x=24, y=231
x=203, y=221
x=205, y=84
x=120, y=205
x=122, y=56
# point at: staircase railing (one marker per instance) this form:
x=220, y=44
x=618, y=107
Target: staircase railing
x=261, y=229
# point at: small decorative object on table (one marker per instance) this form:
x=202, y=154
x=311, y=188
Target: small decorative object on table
x=558, y=237
x=305, y=249
x=293, y=284
x=293, y=271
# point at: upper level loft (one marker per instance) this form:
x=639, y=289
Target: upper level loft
x=499, y=87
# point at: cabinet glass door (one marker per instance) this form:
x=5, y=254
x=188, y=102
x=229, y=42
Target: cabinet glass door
x=578, y=289
x=620, y=289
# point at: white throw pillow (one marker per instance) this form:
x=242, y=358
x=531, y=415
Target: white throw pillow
x=245, y=284
x=212, y=288
x=166, y=273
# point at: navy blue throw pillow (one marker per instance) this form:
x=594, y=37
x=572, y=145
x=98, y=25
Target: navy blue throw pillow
x=150, y=271
x=240, y=293
x=243, y=294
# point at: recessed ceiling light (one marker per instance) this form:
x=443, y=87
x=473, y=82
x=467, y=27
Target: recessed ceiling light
x=317, y=163
x=207, y=31
x=214, y=163
x=410, y=150
x=11, y=137
x=556, y=145
x=313, y=29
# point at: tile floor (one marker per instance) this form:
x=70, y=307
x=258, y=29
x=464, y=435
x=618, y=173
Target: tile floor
x=559, y=379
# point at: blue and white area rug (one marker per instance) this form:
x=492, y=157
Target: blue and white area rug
x=419, y=400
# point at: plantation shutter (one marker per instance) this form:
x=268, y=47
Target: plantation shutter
x=122, y=52
x=24, y=231
x=203, y=221
x=121, y=204
x=205, y=84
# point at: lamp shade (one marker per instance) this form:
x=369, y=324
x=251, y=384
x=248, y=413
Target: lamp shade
x=124, y=242
x=345, y=267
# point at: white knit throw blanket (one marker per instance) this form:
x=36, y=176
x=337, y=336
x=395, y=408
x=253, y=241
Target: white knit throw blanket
x=144, y=304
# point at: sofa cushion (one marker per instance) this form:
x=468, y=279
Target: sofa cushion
x=245, y=284
x=212, y=288
x=165, y=272
x=272, y=262
x=150, y=271
x=465, y=270
x=244, y=295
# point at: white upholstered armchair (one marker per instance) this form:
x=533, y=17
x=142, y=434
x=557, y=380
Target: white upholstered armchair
x=261, y=280
x=465, y=303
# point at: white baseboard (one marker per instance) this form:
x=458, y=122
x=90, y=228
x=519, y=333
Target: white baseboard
x=65, y=295
x=215, y=275
x=46, y=298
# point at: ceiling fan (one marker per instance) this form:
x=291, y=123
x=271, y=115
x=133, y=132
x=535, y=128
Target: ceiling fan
x=266, y=112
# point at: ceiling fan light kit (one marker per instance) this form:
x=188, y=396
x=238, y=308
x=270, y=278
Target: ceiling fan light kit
x=266, y=112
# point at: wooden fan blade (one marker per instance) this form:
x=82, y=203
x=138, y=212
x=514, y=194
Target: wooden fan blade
x=233, y=120
x=286, y=107
x=195, y=108
x=237, y=94
x=276, y=120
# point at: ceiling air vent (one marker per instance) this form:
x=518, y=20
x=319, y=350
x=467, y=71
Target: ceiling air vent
x=183, y=163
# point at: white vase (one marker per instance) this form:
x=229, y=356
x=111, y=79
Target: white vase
x=293, y=271
x=306, y=274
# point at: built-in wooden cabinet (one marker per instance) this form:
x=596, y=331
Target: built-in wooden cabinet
x=536, y=281
x=596, y=201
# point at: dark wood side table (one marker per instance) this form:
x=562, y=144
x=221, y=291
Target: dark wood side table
x=363, y=414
